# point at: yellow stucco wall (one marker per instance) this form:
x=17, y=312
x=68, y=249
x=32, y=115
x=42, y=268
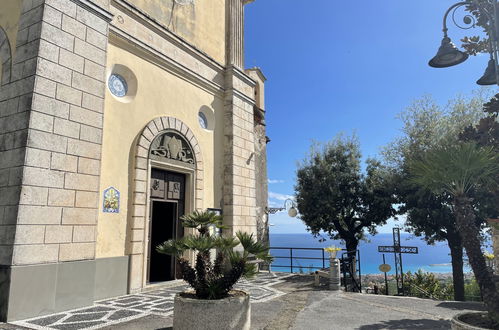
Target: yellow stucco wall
x=10, y=13
x=159, y=93
x=202, y=23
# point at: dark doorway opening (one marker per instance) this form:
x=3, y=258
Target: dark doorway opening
x=163, y=227
x=167, y=206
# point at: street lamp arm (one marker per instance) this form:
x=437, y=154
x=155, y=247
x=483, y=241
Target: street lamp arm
x=292, y=212
x=452, y=9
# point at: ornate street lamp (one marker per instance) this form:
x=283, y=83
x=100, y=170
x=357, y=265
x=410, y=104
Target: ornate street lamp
x=449, y=55
x=292, y=212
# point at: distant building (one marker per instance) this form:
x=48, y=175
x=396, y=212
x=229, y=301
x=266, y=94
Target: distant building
x=116, y=118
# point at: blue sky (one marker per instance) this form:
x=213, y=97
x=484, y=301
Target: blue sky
x=345, y=66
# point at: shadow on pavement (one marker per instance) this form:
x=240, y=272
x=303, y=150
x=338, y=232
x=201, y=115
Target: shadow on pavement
x=456, y=305
x=408, y=324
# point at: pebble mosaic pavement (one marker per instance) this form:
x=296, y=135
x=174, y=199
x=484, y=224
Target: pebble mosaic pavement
x=129, y=307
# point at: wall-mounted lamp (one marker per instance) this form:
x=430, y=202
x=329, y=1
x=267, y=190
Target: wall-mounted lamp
x=292, y=211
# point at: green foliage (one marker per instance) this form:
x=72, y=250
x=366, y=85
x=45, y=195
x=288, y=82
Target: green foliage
x=460, y=170
x=202, y=220
x=475, y=45
x=334, y=196
x=425, y=285
x=214, y=280
x=456, y=169
x=427, y=125
x=472, y=290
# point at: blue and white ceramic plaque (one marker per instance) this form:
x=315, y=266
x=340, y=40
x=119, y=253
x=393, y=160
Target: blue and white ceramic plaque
x=117, y=85
x=111, y=203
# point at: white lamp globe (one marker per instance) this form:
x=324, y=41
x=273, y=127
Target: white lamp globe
x=292, y=212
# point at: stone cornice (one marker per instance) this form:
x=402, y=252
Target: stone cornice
x=123, y=40
x=238, y=73
x=135, y=31
x=155, y=26
x=95, y=9
x=258, y=72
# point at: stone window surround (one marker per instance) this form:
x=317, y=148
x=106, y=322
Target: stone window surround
x=139, y=212
x=5, y=58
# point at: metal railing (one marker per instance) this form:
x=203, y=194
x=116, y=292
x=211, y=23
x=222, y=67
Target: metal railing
x=294, y=265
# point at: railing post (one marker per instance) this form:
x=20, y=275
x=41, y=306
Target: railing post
x=323, y=260
x=360, y=273
x=291, y=258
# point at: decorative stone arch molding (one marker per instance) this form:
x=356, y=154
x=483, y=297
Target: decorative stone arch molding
x=140, y=190
x=5, y=58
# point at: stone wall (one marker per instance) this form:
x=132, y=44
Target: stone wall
x=15, y=100
x=261, y=178
x=261, y=182
x=50, y=147
x=58, y=207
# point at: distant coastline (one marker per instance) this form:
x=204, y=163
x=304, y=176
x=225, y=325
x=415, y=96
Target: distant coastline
x=431, y=258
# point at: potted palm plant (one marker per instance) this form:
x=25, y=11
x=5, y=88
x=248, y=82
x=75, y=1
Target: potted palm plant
x=213, y=303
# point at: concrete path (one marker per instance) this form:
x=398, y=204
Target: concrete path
x=278, y=302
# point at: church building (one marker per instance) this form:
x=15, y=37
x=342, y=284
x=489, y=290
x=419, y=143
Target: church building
x=117, y=117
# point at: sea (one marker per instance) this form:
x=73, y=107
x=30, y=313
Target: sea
x=431, y=258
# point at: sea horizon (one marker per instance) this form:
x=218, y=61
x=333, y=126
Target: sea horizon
x=430, y=258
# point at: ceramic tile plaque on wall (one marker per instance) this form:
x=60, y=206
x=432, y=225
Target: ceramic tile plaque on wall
x=111, y=199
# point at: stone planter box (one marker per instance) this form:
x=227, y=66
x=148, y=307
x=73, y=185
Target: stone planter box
x=233, y=312
x=457, y=324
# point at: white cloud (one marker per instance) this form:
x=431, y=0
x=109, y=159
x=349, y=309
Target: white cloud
x=280, y=197
x=274, y=203
x=275, y=181
x=281, y=223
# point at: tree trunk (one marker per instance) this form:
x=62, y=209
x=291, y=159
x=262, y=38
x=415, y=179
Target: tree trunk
x=456, y=252
x=465, y=220
x=351, y=246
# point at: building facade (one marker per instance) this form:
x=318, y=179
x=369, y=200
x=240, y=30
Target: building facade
x=116, y=118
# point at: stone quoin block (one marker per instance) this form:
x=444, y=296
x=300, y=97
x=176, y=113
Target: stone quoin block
x=61, y=197
x=33, y=195
x=84, y=116
x=62, y=162
x=68, y=94
x=71, y=61
x=77, y=251
x=91, y=134
x=87, y=199
x=79, y=216
x=35, y=254
x=30, y=234
x=88, y=166
x=66, y=128
x=78, y=181
x=58, y=234
x=39, y=215
x=73, y=27
x=43, y=177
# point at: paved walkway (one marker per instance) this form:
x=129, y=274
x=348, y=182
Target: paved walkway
x=279, y=301
x=156, y=303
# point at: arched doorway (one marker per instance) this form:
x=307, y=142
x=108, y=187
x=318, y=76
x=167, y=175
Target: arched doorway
x=167, y=183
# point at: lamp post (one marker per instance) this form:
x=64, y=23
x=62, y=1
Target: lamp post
x=449, y=55
x=292, y=212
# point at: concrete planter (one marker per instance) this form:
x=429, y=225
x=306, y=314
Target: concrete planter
x=456, y=324
x=233, y=312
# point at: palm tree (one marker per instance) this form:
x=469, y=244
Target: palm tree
x=460, y=170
